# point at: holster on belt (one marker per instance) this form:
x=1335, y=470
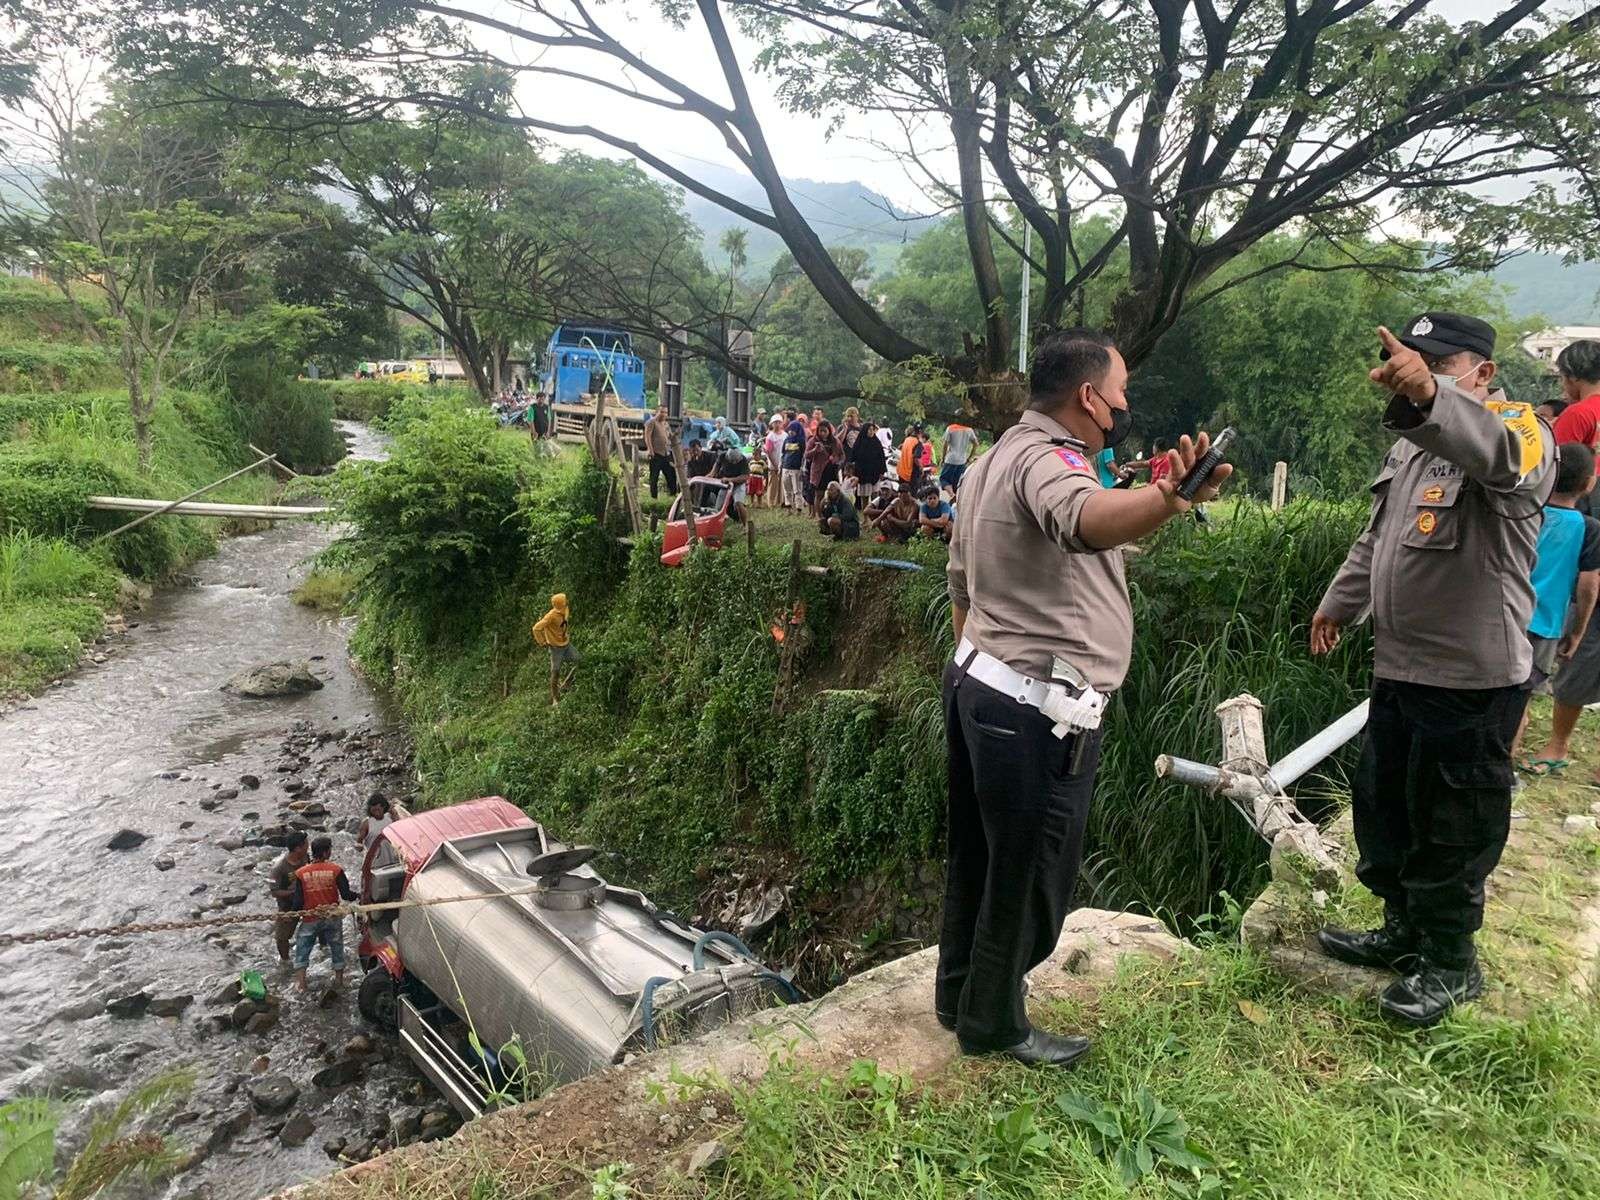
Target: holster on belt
x=1074, y=706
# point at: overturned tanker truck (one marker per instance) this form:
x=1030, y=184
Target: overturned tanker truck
x=553, y=975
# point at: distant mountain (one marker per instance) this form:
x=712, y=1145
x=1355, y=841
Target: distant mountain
x=852, y=214
x=1542, y=285
x=843, y=214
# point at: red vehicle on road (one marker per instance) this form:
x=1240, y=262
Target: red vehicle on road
x=712, y=500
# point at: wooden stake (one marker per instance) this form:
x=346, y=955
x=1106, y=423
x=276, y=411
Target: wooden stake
x=685, y=502
x=786, y=655
x=288, y=472
x=1280, y=484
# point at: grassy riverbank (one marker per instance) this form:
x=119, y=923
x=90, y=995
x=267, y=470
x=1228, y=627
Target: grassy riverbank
x=65, y=434
x=1210, y=1076
x=669, y=751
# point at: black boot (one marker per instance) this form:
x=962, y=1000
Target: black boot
x=1446, y=975
x=1391, y=948
x=1042, y=1049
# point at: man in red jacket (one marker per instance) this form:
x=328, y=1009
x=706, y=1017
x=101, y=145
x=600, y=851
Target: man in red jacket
x=318, y=884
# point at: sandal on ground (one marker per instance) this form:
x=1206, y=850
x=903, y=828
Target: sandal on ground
x=1541, y=767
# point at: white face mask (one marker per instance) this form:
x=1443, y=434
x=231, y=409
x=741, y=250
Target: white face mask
x=1457, y=380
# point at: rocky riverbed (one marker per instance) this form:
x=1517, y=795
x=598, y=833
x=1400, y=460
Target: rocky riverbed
x=138, y=790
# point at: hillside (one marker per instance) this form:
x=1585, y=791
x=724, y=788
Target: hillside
x=853, y=214
x=1543, y=285
x=843, y=214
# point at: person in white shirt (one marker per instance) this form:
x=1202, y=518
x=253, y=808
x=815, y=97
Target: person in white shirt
x=379, y=818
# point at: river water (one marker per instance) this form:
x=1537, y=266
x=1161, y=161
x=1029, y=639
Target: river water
x=137, y=742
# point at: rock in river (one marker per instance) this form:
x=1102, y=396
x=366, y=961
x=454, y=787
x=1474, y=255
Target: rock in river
x=262, y=1022
x=273, y=1093
x=341, y=1073
x=169, y=1006
x=230, y=1127
x=127, y=839
x=273, y=679
x=296, y=1130
x=405, y=1123
x=133, y=1005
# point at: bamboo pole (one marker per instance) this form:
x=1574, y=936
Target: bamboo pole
x=288, y=472
x=197, y=492
x=685, y=501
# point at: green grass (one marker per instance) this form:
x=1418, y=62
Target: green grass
x=327, y=590
x=1288, y=1096
x=53, y=600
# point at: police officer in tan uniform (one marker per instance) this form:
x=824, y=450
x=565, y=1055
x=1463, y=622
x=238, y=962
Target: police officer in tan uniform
x=1443, y=567
x=1045, y=630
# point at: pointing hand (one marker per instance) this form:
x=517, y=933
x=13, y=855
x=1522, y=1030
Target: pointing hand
x=1405, y=372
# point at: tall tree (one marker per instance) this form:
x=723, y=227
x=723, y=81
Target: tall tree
x=486, y=243
x=1203, y=129
x=801, y=342
x=141, y=213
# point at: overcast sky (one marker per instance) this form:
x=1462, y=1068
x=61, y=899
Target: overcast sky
x=802, y=144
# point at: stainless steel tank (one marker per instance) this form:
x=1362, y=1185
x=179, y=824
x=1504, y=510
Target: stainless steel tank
x=567, y=971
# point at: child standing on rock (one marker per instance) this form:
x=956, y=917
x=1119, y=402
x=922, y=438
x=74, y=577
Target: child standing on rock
x=551, y=630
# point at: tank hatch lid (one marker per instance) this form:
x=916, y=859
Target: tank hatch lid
x=553, y=864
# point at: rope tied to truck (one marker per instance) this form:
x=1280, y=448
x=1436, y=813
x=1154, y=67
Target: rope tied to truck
x=326, y=912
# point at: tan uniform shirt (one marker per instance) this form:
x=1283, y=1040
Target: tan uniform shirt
x=655, y=437
x=1032, y=588
x=1444, y=563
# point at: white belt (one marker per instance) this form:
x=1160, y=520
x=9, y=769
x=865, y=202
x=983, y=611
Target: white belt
x=1070, y=712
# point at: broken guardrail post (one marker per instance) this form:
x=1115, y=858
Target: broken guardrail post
x=1257, y=790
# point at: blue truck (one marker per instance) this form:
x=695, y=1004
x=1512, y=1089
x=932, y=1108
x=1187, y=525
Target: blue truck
x=590, y=360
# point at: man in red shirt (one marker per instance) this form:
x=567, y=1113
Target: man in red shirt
x=1579, y=367
x=318, y=884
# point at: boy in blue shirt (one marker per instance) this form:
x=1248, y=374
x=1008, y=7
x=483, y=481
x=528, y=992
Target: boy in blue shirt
x=935, y=518
x=1566, y=581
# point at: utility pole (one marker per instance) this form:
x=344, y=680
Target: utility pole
x=1027, y=288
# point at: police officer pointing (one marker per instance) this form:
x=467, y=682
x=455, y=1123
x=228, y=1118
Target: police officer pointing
x=1443, y=567
x=1045, y=630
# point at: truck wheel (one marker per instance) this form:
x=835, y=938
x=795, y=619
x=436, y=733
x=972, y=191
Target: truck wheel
x=378, y=996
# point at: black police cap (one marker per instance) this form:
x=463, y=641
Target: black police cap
x=1442, y=333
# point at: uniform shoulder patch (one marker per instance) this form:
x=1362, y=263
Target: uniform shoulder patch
x=1074, y=460
x=1520, y=418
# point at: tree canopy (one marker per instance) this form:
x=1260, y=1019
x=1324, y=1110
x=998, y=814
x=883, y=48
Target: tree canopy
x=1196, y=130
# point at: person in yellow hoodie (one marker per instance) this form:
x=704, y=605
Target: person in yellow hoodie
x=551, y=630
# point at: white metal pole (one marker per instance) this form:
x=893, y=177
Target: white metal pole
x=1027, y=288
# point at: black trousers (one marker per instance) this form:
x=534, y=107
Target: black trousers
x=661, y=464
x=1016, y=839
x=1432, y=798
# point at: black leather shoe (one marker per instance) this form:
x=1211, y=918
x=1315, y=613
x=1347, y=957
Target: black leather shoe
x=1391, y=948
x=1043, y=1049
x=948, y=1020
x=1446, y=975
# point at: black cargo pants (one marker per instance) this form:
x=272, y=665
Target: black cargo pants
x=1432, y=798
x=661, y=464
x=1016, y=839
